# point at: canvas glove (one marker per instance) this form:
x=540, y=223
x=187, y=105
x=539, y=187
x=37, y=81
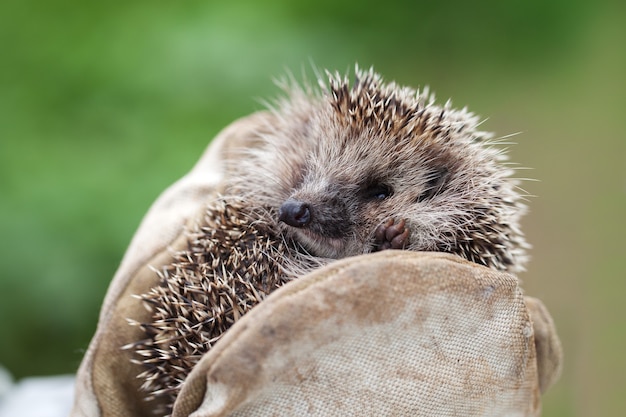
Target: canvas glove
x=393, y=333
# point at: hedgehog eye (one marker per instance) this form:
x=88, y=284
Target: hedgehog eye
x=434, y=184
x=376, y=192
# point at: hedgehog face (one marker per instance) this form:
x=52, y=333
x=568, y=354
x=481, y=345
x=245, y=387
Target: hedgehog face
x=337, y=165
x=352, y=183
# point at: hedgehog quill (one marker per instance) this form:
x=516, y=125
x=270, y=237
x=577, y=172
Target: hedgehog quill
x=344, y=169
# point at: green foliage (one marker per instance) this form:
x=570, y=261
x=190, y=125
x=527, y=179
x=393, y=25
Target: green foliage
x=104, y=104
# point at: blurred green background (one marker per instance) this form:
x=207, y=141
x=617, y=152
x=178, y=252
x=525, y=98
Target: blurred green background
x=104, y=104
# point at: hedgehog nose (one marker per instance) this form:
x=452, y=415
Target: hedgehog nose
x=294, y=213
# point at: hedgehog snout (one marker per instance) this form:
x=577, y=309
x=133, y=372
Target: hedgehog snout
x=295, y=213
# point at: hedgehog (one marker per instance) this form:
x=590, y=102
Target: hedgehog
x=347, y=168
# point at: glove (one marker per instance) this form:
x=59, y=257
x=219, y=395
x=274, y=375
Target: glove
x=391, y=333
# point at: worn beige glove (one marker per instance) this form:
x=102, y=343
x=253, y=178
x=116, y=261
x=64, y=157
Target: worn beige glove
x=392, y=333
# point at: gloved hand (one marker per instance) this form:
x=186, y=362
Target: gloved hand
x=392, y=333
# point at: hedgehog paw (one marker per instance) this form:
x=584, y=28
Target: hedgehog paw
x=391, y=235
